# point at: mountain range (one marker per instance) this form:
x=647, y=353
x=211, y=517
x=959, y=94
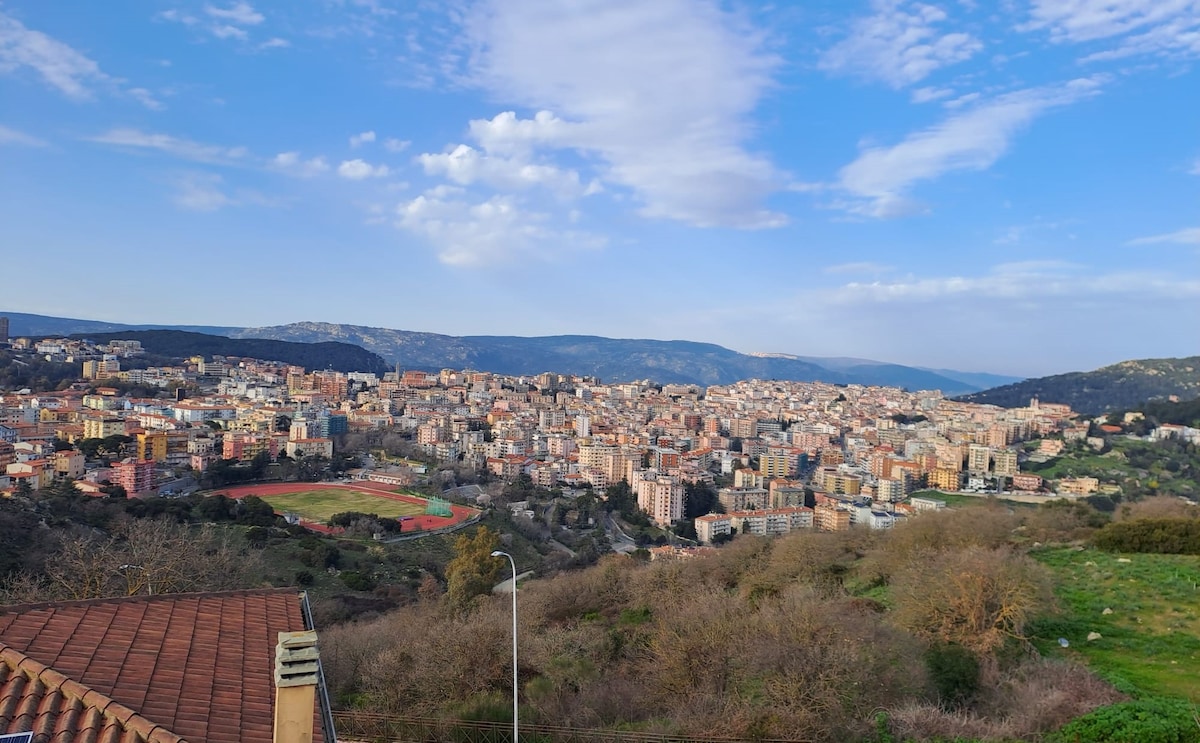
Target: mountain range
x=611, y=359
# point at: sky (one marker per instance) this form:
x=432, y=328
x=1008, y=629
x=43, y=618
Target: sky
x=1010, y=186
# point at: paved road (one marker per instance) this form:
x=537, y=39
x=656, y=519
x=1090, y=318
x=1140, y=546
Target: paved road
x=621, y=542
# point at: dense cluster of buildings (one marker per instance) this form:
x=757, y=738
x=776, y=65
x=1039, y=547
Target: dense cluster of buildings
x=789, y=455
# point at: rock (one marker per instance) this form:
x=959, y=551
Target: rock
x=1124, y=559
x=1106, y=611
x=1089, y=564
x=1094, y=636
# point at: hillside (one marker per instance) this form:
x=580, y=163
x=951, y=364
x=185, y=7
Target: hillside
x=337, y=356
x=26, y=324
x=1121, y=386
x=611, y=359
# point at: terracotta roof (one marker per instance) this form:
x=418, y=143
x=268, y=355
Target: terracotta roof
x=195, y=667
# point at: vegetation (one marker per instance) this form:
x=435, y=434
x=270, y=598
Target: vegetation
x=1139, y=468
x=1169, y=536
x=30, y=371
x=1122, y=386
x=1150, y=637
x=333, y=355
x=800, y=637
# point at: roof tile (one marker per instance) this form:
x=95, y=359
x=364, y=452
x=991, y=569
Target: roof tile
x=163, y=669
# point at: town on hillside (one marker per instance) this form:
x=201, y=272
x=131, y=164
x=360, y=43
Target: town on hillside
x=778, y=455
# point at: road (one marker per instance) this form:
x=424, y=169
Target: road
x=621, y=542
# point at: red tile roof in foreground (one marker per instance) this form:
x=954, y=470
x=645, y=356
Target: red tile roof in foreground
x=194, y=667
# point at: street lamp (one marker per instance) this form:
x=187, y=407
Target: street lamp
x=513, y=564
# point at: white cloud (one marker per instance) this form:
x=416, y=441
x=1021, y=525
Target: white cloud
x=177, y=146
x=1169, y=27
x=899, y=44
x=357, y=170
x=1087, y=20
x=146, y=98
x=359, y=139
x=200, y=192
x=465, y=166
x=226, y=31
x=13, y=137
x=177, y=16
x=291, y=163
x=1195, y=169
x=1035, y=281
x=925, y=95
x=880, y=178
x=275, y=43
x=243, y=14
x=59, y=66
x=394, y=145
x=474, y=233
x=1011, y=302
x=667, y=117
x=1188, y=236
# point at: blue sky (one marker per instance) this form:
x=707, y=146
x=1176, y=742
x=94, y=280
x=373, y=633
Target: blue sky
x=1010, y=187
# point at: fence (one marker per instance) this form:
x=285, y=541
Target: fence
x=411, y=535
x=378, y=728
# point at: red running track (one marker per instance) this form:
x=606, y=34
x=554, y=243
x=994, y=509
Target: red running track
x=425, y=522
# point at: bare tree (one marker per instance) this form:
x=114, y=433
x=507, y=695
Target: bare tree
x=976, y=597
x=142, y=557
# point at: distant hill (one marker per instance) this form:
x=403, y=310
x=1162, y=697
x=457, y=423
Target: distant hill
x=343, y=357
x=24, y=324
x=1122, y=386
x=610, y=359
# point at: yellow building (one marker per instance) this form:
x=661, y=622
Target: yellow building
x=944, y=478
x=152, y=445
x=837, y=482
x=99, y=428
x=772, y=466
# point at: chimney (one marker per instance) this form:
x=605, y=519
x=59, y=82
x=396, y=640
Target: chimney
x=296, y=672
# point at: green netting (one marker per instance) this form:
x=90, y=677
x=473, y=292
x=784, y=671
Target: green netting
x=438, y=507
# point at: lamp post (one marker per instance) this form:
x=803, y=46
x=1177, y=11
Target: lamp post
x=513, y=564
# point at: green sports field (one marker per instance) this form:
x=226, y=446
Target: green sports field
x=320, y=505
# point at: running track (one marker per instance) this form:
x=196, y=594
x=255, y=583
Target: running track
x=425, y=522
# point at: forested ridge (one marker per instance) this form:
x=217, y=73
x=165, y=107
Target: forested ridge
x=344, y=357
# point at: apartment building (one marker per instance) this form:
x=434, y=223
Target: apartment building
x=661, y=497
x=714, y=525
x=136, y=476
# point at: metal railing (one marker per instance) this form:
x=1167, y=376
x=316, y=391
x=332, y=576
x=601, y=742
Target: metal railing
x=380, y=728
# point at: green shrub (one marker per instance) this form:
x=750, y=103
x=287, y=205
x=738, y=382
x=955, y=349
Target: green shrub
x=357, y=581
x=954, y=671
x=1168, y=536
x=1147, y=720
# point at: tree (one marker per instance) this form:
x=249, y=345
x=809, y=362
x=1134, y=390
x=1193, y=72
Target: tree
x=24, y=488
x=473, y=571
x=149, y=556
x=699, y=499
x=977, y=598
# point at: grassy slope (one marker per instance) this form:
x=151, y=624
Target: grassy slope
x=955, y=500
x=320, y=505
x=1151, y=640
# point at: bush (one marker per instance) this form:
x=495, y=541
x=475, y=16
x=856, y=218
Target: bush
x=1165, y=536
x=954, y=671
x=1148, y=720
x=357, y=581
x=305, y=578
